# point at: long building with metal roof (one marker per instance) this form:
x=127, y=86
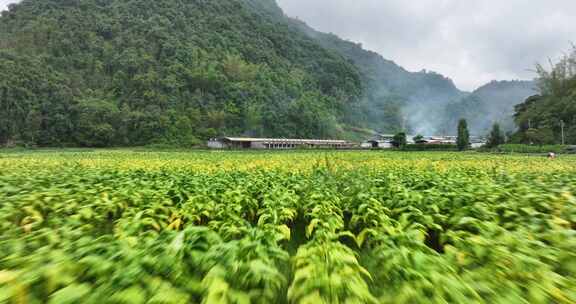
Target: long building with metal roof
x=276, y=143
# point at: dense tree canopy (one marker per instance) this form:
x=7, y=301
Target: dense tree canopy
x=117, y=72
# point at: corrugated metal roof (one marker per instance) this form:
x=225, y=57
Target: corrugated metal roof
x=285, y=140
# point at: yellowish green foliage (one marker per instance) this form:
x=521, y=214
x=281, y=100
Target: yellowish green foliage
x=286, y=227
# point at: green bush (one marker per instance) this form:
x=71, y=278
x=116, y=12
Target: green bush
x=519, y=148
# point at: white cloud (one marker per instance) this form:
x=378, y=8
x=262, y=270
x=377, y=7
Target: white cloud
x=4, y=4
x=472, y=41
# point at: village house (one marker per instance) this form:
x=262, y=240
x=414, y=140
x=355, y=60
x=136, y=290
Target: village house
x=377, y=144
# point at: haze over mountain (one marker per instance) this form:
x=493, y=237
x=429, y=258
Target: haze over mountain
x=407, y=99
x=489, y=104
x=425, y=102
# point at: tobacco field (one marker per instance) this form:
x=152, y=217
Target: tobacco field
x=286, y=227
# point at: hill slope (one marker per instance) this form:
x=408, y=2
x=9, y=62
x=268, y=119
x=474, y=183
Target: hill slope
x=101, y=73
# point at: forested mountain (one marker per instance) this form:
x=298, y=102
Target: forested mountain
x=139, y=72
x=134, y=72
x=543, y=118
x=493, y=102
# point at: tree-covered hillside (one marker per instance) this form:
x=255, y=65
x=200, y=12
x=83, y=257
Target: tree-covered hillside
x=489, y=104
x=545, y=117
x=134, y=72
x=139, y=72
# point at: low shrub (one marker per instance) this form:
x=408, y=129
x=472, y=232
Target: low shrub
x=519, y=148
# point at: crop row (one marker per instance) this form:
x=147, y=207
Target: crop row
x=390, y=235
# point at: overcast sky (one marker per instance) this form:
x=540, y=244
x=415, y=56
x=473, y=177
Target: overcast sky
x=4, y=4
x=471, y=41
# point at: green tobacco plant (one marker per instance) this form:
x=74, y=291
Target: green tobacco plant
x=197, y=227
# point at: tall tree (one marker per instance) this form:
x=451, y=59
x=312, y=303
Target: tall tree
x=496, y=137
x=399, y=140
x=463, y=141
